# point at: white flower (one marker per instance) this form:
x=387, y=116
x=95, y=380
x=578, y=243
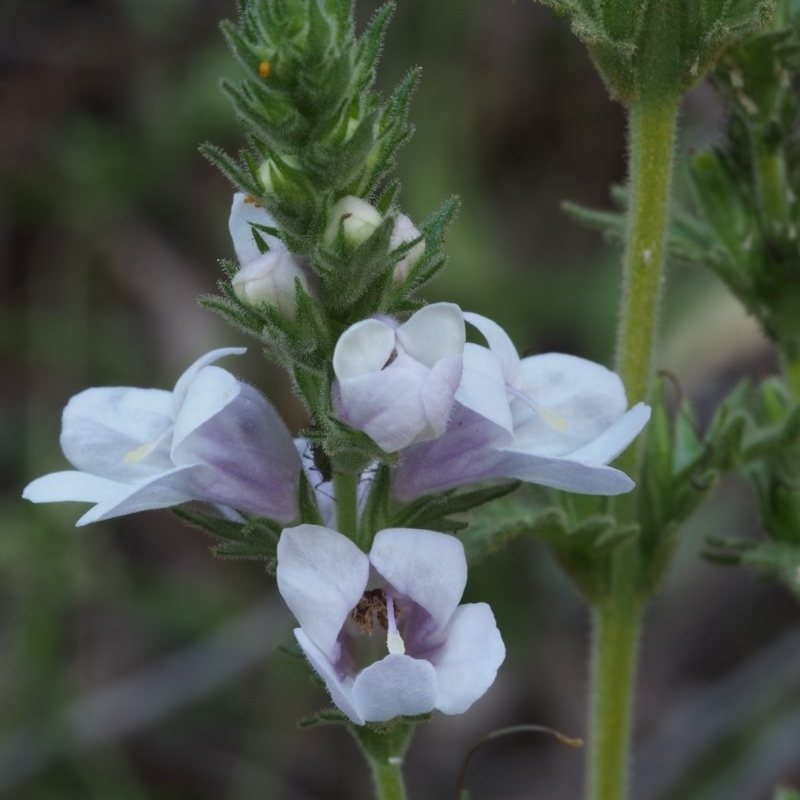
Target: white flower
x=397, y=382
x=245, y=213
x=385, y=630
x=263, y=277
x=357, y=218
x=213, y=438
x=271, y=279
x=403, y=232
x=551, y=419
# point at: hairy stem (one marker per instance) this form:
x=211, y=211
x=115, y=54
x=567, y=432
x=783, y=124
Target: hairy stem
x=384, y=747
x=346, y=493
x=653, y=126
x=388, y=781
x=615, y=639
x=617, y=616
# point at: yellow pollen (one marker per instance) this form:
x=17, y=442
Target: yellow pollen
x=135, y=456
x=554, y=419
x=264, y=69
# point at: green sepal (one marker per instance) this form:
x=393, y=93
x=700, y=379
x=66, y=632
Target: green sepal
x=741, y=219
x=309, y=509
x=346, y=274
x=644, y=49
x=769, y=457
x=434, y=512
x=328, y=716
x=375, y=514
x=239, y=176
x=350, y=450
x=582, y=538
x=255, y=538
x=679, y=471
x=292, y=651
x=776, y=561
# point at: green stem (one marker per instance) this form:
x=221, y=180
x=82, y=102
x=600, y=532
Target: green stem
x=346, y=493
x=385, y=747
x=617, y=616
x=652, y=135
x=388, y=781
x=615, y=638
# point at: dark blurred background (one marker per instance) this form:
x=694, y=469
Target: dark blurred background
x=134, y=666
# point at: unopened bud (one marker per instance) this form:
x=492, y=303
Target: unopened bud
x=358, y=220
x=270, y=279
x=405, y=231
x=270, y=169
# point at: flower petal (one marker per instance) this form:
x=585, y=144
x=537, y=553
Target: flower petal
x=573, y=402
x=69, y=486
x=362, y=349
x=339, y=690
x=467, y=662
x=612, y=441
x=322, y=576
x=483, y=387
x=428, y=567
x=464, y=454
x=169, y=488
x=118, y=432
x=435, y=331
x=229, y=427
x=437, y=396
x=245, y=211
x=185, y=380
x=204, y=397
x=562, y=473
x=387, y=405
x=395, y=686
x=500, y=344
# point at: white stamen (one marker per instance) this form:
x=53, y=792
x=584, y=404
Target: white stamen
x=552, y=418
x=394, y=641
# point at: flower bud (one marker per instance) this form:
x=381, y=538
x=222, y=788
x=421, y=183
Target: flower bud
x=270, y=279
x=356, y=216
x=405, y=231
x=271, y=167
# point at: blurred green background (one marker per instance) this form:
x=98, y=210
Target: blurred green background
x=132, y=664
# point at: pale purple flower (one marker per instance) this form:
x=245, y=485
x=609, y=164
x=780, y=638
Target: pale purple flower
x=552, y=419
x=397, y=382
x=268, y=277
x=404, y=232
x=213, y=438
x=385, y=631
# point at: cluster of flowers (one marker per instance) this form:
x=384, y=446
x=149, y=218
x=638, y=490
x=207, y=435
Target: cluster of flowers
x=454, y=412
